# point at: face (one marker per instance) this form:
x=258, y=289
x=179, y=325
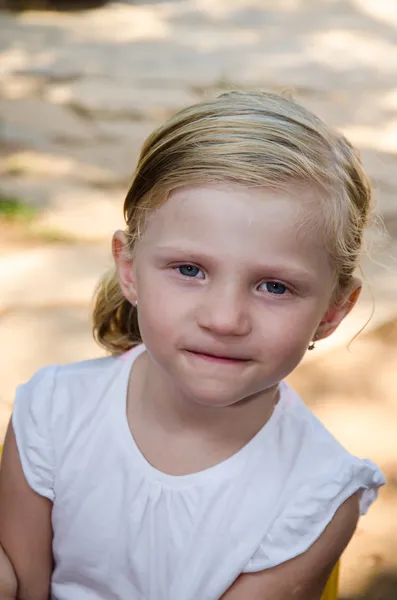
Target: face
x=231, y=289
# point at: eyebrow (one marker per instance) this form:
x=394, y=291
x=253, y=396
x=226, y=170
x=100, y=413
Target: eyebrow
x=294, y=273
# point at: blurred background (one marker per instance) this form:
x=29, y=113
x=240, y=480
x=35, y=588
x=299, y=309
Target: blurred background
x=82, y=83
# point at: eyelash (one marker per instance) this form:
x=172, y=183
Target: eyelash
x=270, y=281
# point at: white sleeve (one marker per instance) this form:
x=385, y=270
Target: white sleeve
x=311, y=509
x=31, y=420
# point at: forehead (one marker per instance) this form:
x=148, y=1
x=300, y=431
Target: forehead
x=239, y=222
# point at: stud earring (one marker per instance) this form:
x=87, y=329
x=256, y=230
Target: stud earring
x=135, y=305
x=312, y=344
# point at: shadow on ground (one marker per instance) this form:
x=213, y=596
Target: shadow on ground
x=382, y=587
x=51, y=5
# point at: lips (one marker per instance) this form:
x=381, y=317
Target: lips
x=215, y=357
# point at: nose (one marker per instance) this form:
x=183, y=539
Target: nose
x=224, y=312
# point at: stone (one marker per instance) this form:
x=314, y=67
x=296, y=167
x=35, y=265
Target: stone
x=100, y=98
x=112, y=158
x=131, y=134
x=52, y=275
x=49, y=74
x=51, y=5
x=72, y=209
x=47, y=166
x=84, y=213
x=20, y=86
x=35, y=122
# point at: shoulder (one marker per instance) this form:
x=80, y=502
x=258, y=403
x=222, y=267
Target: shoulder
x=305, y=443
x=56, y=406
x=87, y=372
x=75, y=378
x=314, y=476
x=58, y=394
x=88, y=379
x=306, y=428
x=56, y=374
x=319, y=465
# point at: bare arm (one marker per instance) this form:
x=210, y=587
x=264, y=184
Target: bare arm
x=8, y=582
x=25, y=526
x=303, y=577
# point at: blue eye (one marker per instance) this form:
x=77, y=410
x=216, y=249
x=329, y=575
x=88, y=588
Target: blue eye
x=188, y=271
x=274, y=287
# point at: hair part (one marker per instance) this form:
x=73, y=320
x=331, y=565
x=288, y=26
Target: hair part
x=253, y=139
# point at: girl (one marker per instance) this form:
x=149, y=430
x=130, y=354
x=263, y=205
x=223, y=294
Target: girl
x=183, y=467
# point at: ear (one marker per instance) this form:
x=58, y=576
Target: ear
x=338, y=311
x=124, y=266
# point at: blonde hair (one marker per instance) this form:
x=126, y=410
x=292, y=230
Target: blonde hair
x=254, y=139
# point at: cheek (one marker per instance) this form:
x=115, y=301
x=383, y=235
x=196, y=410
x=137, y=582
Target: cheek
x=289, y=329
x=283, y=344
x=160, y=310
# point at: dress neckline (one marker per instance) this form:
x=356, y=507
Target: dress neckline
x=223, y=470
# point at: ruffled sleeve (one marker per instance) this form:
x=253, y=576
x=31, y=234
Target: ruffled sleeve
x=304, y=518
x=31, y=420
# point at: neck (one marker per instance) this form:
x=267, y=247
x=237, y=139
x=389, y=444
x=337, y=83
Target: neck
x=165, y=405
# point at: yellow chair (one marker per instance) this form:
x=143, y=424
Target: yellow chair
x=331, y=591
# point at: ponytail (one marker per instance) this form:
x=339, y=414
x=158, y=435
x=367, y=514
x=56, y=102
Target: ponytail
x=115, y=322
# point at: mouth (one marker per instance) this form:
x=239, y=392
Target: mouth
x=217, y=358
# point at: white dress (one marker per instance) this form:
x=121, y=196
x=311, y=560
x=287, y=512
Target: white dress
x=125, y=531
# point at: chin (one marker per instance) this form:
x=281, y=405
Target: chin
x=214, y=395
